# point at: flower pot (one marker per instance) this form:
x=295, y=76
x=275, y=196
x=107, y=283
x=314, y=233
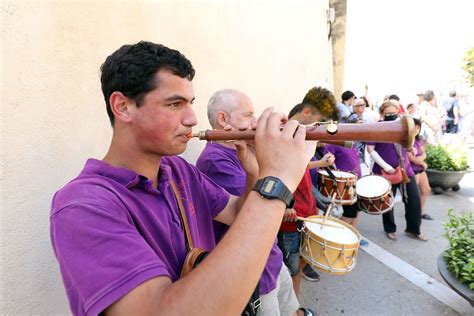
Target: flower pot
x=460, y=288
x=444, y=180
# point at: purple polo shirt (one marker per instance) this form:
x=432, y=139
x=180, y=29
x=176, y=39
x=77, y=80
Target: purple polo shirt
x=419, y=151
x=221, y=164
x=314, y=172
x=111, y=230
x=388, y=152
x=347, y=159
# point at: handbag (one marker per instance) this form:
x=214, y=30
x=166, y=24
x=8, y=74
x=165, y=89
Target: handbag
x=196, y=255
x=394, y=178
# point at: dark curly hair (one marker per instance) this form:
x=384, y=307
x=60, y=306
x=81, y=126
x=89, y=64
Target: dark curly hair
x=131, y=70
x=321, y=100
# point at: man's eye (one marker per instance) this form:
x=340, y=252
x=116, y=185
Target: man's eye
x=174, y=104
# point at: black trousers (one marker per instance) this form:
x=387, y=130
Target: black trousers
x=451, y=127
x=412, y=209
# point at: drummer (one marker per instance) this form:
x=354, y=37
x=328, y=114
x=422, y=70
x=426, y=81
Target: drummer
x=319, y=103
x=347, y=159
x=386, y=158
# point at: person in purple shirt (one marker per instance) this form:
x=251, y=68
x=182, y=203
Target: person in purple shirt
x=417, y=158
x=219, y=161
x=346, y=159
x=116, y=228
x=387, y=158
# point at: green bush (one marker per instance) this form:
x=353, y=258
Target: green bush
x=445, y=158
x=459, y=230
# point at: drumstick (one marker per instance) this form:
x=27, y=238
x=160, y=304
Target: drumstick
x=311, y=220
x=329, y=208
x=328, y=170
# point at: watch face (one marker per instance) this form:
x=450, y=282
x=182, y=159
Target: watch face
x=269, y=185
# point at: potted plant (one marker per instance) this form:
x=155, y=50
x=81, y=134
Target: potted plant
x=456, y=264
x=446, y=167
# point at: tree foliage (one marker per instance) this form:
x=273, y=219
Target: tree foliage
x=468, y=66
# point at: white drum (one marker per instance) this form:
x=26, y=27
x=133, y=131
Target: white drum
x=374, y=194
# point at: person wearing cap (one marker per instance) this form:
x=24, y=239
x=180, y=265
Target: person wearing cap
x=345, y=107
x=421, y=97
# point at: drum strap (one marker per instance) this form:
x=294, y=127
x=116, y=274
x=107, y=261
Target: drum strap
x=403, y=187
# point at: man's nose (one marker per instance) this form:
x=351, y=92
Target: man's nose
x=254, y=120
x=189, y=118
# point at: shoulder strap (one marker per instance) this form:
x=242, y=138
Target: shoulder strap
x=398, y=148
x=184, y=220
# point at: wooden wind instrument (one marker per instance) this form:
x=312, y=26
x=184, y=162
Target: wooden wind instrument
x=401, y=132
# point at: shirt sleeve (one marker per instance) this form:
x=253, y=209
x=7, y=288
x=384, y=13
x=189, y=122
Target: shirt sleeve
x=101, y=255
x=227, y=176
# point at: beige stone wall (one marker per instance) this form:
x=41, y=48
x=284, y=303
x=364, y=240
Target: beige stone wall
x=53, y=114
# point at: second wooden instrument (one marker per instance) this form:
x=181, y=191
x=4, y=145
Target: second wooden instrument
x=401, y=132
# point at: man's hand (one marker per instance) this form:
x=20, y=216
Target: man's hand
x=290, y=215
x=282, y=152
x=327, y=160
x=246, y=152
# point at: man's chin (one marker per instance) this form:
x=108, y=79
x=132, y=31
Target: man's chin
x=178, y=150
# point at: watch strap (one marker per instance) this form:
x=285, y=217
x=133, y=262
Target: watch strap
x=284, y=193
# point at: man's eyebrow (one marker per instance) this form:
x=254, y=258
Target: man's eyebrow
x=178, y=97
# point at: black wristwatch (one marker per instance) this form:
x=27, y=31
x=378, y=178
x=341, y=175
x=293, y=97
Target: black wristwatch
x=273, y=188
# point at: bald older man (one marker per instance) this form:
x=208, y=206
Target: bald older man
x=220, y=163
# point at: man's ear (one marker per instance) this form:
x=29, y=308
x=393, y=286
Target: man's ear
x=307, y=111
x=120, y=106
x=222, y=119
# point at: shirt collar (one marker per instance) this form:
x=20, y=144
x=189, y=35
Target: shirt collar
x=125, y=177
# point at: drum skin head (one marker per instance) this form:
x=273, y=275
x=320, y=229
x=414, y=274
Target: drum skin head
x=337, y=257
x=374, y=195
x=343, y=186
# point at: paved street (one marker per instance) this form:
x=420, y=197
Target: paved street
x=396, y=277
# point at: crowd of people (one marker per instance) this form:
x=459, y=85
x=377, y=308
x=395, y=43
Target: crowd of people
x=125, y=230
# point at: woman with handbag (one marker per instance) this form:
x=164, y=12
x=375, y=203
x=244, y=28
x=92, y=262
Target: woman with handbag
x=391, y=161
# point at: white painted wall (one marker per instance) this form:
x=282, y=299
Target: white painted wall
x=53, y=114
